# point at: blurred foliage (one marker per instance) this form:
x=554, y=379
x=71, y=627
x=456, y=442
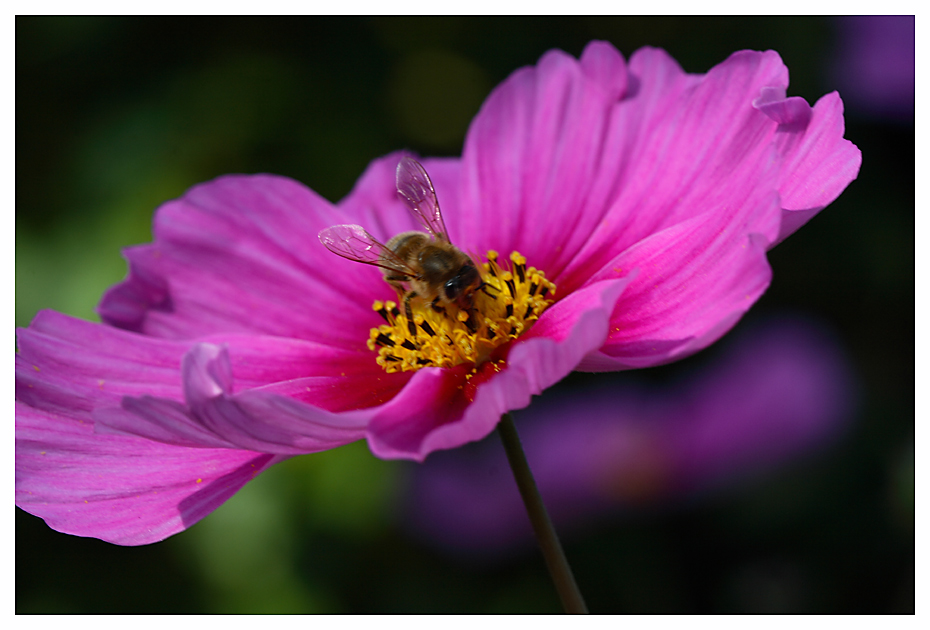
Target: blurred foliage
x=116, y=115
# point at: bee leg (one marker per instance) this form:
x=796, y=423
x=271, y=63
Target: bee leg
x=411, y=327
x=436, y=306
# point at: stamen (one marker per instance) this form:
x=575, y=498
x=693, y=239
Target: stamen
x=519, y=264
x=434, y=336
x=425, y=326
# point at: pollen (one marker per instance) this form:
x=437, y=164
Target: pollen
x=511, y=298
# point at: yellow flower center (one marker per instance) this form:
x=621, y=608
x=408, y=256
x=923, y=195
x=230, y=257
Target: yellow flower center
x=511, y=299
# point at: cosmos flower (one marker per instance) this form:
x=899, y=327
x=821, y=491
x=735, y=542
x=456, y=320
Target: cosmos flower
x=780, y=390
x=645, y=196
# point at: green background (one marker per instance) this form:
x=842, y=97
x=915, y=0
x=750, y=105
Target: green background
x=116, y=115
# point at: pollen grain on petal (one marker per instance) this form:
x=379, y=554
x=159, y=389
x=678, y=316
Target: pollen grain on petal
x=511, y=298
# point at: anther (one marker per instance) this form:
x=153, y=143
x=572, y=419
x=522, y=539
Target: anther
x=508, y=278
x=519, y=263
x=426, y=327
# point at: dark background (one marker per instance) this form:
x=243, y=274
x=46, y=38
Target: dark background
x=116, y=115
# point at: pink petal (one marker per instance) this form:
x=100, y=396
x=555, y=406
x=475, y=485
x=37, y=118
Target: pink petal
x=439, y=410
x=124, y=490
x=605, y=67
x=535, y=158
x=254, y=420
x=688, y=142
x=208, y=392
x=157, y=419
x=135, y=385
x=241, y=254
x=786, y=112
x=818, y=163
x=693, y=283
x=374, y=204
x=73, y=366
x=111, y=363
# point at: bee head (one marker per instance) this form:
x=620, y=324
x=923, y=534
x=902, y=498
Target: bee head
x=456, y=289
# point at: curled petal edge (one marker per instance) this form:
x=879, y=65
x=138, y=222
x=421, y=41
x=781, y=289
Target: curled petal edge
x=213, y=416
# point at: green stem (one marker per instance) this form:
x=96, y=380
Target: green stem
x=548, y=540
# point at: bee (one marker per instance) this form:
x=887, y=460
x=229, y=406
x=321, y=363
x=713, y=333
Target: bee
x=424, y=265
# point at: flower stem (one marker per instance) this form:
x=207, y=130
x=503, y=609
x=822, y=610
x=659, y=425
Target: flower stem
x=548, y=540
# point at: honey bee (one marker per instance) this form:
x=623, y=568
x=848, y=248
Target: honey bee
x=417, y=264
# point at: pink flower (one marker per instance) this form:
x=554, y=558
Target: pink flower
x=648, y=196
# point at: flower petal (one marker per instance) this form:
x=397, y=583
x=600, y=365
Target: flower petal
x=125, y=490
x=374, y=204
x=438, y=409
x=688, y=141
x=167, y=391
x=254, y=420
x=158, y=419
x=605, y=67
x=58, y=349
x=695, y=280
x=208, y=389
x=534, y=153
x=818, y=162
x=73, y=366
x=241, y=254
x=786, y=112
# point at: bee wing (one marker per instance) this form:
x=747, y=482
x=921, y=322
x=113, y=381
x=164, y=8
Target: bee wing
x=354, y=243
x=416, y=189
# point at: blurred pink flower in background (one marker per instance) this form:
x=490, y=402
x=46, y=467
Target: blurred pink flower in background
x=781, y=390
x=874, y=64
x=648, y=195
